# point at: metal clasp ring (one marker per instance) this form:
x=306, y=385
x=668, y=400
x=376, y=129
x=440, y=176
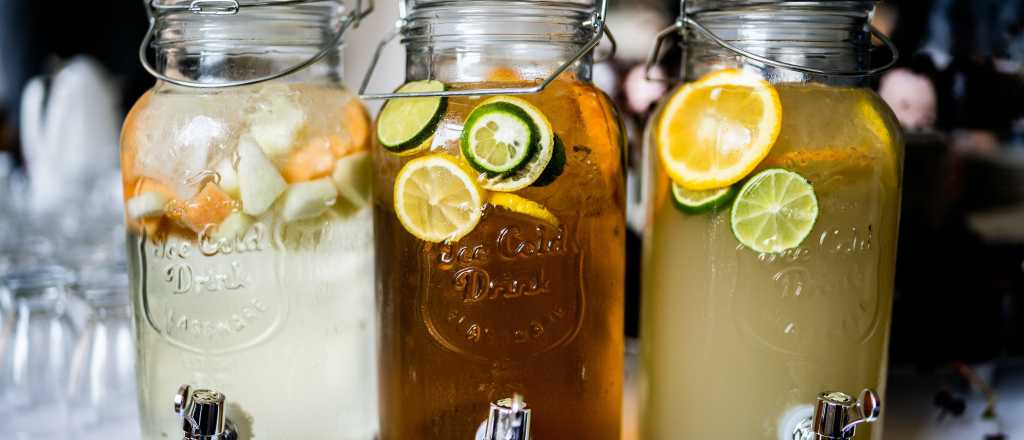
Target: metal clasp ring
x=687, y=21
x=232, y=7
x=597, y=22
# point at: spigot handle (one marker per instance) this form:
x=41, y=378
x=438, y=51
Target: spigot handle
x=837, y=415
x=868, y=409
x=508, y=419
x=202, y=415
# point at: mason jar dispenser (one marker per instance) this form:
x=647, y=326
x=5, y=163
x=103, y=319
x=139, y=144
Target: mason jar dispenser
x=499, y=216
x=773, y=194
x=246, y=181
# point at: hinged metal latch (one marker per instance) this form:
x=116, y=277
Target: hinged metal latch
x=202, y=415
x=837, y=415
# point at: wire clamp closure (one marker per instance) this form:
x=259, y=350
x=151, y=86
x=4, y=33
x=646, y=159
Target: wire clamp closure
x=596, y=22
x=233, y=7
x=687, y=22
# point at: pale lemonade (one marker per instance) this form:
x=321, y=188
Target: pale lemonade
x=736, y=343
x=251, y=258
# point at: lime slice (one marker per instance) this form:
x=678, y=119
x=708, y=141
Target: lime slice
x=436, y=199
x=523, y=206
x=543, y=149
x=700, y=202
x=556, y=167
x=404, y=123
x=498, y=138
x=775, y=211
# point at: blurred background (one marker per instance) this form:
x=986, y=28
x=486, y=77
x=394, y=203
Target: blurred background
x=69, y=72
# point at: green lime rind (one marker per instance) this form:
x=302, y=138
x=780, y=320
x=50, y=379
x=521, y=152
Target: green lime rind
x=775, y=211
x=555, y=167
x=535, y=166
x=489, y=155
x=702, y=202
x=405, y=123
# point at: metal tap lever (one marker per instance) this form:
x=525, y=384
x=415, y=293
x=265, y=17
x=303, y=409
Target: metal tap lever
x=202, y=415
x=508, y=419
x=837, y=415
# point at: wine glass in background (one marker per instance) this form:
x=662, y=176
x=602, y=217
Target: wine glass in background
x=36, y=340
x=102, y=379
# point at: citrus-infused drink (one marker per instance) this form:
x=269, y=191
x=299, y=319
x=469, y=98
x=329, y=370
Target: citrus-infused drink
x=783, y=291
x=499, y=215
x=251, y=257
x=494, y=284
x=773, y=191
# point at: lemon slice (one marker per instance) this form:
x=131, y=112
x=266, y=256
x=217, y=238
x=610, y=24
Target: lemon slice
x=523, y=206
x=714, y=132
x=436, y=200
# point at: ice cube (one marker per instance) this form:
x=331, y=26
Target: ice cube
x=307, y=200
x=276, y=125
x=259, y=182
x=146, y=205
x=353, y=175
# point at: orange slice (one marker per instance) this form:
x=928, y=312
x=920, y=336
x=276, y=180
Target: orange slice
x=715, y=131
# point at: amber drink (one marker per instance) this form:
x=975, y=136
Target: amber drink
x=494, y=284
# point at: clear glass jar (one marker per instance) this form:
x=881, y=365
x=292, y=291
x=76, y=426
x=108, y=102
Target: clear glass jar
x=250, y=241
x=743, y=324
x=517, y=288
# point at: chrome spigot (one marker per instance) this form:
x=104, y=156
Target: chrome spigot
x=508, y=419
x=202, y=415
x=837, y=415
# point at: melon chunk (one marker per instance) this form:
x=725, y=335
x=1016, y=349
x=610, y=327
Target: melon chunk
x=275, y=126
x=210, y=207
x=352, y=176
x=146, y=205
x=259, y=182
x=306, y=200
x=228, y=178
x=309, y=162
x=234, y=227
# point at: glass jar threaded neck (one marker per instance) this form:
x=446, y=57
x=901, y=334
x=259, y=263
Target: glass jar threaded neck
x=253, y=42
x=826, y=35
x=465, y=40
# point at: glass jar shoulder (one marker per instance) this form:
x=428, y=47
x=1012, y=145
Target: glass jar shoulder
x=181, y=146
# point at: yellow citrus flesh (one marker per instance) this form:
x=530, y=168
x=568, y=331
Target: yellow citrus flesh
x=436, y=200
x=523, y=206
x=715, y=131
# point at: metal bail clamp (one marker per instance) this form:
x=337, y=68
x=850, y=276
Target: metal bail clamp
x=597, y=22
x=688, y=21
x=232, y=7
